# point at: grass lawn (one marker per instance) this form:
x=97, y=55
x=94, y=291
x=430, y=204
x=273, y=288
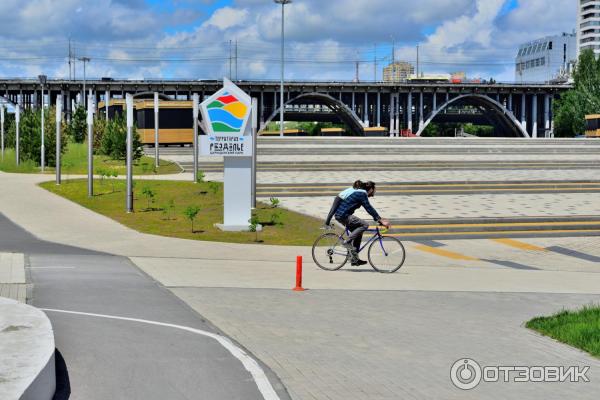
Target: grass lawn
x=280, y=226
x=74, y=162
x=580, y=328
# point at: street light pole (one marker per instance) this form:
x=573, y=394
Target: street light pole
x=43, y=80
x=281, y=109
x=84, y=60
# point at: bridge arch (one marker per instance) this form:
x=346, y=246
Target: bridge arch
x=345, y=113
x=503, y=115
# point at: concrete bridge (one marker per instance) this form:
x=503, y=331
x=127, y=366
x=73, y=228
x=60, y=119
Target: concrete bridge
x=515, y=110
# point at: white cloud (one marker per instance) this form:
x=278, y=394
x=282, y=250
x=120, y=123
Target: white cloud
x=227, y=17
x=323, y=38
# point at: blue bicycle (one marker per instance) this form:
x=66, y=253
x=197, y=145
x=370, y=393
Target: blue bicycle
x=385, y=254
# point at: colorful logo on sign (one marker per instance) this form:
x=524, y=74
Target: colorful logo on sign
x=227, y=113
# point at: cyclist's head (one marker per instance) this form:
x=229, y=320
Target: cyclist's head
x=369, y=186
x=357, y=184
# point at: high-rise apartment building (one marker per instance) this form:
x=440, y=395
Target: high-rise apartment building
x=588, y=26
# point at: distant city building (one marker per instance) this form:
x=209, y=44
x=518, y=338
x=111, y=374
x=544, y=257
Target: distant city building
x=398, y=71
x=458, y=77
x=588, y=26
x=430, y=77
x=547, y=59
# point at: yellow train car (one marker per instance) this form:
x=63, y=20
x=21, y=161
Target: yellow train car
x=592, y=125
x=175, y=125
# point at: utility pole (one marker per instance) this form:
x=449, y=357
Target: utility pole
x=418, y=61
x=375, y=63
x=70, y=56
x=230, y=60
x=356, y=77
x=85, y=60
x=282, y=105
x=236, y=59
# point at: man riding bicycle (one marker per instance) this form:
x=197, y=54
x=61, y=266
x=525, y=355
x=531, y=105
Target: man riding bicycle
x=356, y=226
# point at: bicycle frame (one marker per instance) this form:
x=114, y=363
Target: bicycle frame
x=377, y=236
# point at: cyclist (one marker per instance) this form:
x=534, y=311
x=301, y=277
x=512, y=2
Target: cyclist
x=338, y=200
x=356, y=226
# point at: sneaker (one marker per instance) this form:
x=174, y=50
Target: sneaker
x=358, y=262
x=327, y=228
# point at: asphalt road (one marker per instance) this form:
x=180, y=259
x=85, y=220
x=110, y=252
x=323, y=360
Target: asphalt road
x=109, y=358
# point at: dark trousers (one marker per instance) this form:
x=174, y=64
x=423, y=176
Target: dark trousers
x=356, y=227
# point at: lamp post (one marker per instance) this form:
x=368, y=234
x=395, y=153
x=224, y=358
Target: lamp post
x=281, y=109
x=43, y=80
x=84, y=60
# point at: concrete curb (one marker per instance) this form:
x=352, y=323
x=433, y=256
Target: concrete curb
x=27, y=369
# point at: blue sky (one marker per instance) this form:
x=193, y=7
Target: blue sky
x=189, y=39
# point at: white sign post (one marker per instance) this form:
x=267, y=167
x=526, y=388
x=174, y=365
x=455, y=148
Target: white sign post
x=17, y=132
x=59, y=103
x=225, y=116
x=2, y=123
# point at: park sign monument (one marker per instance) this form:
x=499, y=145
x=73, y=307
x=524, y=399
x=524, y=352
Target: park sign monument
x=226, y=114
x=225, y=117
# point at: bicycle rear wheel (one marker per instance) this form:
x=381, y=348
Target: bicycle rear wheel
x=328, y=252
x=386, y=254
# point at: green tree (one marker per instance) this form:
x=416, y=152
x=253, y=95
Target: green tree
x=191, y=212
x=30, y=138
x=114, y=141
x=570, y=109
x=99, y=128
x=77, y=129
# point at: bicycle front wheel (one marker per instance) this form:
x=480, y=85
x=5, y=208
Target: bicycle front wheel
x=386, y=254
x=329, y=253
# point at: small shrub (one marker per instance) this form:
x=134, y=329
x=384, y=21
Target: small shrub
x=200, y=177
x=253, y=227
x=214, y=187
x=191, y=212
x=149, y=194
x=167, y=209
x=276, y=218
x=274, y=202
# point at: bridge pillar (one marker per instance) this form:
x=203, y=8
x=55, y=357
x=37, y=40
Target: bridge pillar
x=420, y=109
x=523, y=116
x=353, y=101
x=106, y=102
x=434, y=101
x=409, y=121
x=447, y=100
x=534, y=116
x=392, y=112
x=397, y=114
x=262, y=109
x=546, y=114
x=510, y=104
x=366, y=110
x=378, y=109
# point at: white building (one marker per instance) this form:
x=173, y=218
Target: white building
x=546, y=59
x=588, y=26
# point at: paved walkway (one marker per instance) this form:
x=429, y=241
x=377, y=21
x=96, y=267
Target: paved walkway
x=13, y=284
x=356, y=333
